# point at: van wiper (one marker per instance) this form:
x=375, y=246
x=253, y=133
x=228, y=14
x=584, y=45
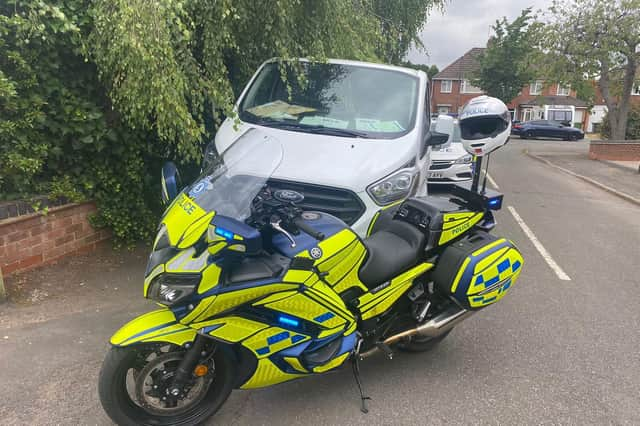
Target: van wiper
x=323, y=130
x=309, y=128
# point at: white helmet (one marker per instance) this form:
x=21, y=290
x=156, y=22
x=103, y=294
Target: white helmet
x=485, y=125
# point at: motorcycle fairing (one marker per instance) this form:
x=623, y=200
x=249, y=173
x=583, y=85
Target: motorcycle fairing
x=381, y=298
x=455, y=224
x=156, y=326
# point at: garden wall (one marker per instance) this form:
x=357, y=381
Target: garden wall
x=36, y=239
x=615, y=150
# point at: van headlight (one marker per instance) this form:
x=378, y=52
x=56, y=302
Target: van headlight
x=170, y=289
x=465, y=159
x=392, y=188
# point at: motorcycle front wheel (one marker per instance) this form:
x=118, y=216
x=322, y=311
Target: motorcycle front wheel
x=134, y=383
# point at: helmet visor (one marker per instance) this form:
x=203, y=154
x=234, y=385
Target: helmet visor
x=475, y=128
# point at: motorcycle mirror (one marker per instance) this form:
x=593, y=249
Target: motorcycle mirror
x=170, y=180
x=210, y=155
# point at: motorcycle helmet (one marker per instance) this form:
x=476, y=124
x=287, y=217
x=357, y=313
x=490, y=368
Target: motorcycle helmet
x=485, y=125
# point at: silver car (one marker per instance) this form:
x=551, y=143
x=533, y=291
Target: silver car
x=450, y=163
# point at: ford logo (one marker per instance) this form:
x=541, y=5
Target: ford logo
x=288, y=196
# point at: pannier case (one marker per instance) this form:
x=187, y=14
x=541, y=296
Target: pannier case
x=478, y=270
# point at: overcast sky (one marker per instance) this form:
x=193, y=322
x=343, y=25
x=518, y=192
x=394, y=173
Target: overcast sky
x=464, y=24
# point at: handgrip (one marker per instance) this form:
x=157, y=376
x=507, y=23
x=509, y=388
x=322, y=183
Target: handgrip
x=303, y=226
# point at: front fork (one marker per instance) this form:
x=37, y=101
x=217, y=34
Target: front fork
x=185, y=370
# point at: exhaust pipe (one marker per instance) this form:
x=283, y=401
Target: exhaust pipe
x=435, y=327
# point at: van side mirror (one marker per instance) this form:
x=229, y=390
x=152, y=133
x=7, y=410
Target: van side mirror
x=436, y=138
x=171, y=183
x=440, y=133
x=444, y=124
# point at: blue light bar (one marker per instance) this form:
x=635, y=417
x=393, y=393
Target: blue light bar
x=288, y=321
x=224, y=233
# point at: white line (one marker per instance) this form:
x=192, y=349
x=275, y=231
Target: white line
x=492, y=182
x=538, y=245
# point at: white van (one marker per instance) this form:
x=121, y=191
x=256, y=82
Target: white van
x=355, y=135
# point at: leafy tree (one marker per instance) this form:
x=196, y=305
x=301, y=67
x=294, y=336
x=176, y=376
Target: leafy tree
x=596, y=39
x=401, y=21
x=633, y=124
x=505, y=65
x=430, y=70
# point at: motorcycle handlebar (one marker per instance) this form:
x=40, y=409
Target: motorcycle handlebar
x=303, y=226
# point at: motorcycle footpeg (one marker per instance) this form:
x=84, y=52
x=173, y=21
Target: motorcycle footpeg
x=385, y=349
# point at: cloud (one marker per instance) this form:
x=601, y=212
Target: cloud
x=465, y=24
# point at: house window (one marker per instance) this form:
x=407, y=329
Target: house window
x=443, y=109
x=636, y=90
x=445, y=86
x=563, y=116
x=563, y=90
x=536, y=88
x=467, y=87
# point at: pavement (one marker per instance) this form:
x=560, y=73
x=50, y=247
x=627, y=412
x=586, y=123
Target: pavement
x=634, y=166
x=554, y=351
x=620, y=175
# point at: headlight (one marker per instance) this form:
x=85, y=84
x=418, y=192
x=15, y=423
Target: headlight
x=392, y=188
x=465, y=159
x=170, y=289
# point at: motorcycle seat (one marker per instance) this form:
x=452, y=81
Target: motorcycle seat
x=393, y=248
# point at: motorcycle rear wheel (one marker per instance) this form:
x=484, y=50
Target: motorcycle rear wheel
x=124, y=365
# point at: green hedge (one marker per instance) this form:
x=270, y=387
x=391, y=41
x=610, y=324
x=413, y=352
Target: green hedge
x=95, y=95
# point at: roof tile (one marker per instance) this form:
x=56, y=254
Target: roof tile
x=463, y=67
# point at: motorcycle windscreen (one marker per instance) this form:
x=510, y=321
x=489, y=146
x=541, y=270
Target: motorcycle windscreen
x=227, y=187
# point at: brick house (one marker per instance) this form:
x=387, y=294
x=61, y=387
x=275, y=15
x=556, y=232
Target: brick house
x=451, y=88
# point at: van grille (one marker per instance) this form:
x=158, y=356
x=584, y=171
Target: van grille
x=342, y=203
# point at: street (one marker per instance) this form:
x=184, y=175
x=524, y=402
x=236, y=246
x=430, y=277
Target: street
x=562, y=348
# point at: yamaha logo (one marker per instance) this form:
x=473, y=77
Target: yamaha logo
x=316, y=253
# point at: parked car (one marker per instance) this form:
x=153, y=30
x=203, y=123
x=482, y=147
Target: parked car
x=450, y=162
x=546, y=129
x=355, y=135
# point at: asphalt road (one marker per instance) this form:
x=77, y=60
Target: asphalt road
x=552, y=352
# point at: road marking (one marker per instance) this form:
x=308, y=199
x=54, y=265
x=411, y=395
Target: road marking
x=492, y=182
x=538, y=245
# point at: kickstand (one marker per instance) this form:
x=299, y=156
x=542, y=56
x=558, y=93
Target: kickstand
x=356, y=373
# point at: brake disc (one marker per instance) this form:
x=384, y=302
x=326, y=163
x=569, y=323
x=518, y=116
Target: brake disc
x=152, y=386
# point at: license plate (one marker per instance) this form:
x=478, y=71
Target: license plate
x=434, y=175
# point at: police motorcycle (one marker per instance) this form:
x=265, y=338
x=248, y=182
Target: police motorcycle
x=253, y=291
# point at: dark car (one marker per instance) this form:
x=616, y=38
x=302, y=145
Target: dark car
x=546, y=129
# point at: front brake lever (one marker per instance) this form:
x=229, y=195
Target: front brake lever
x=275, y=224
